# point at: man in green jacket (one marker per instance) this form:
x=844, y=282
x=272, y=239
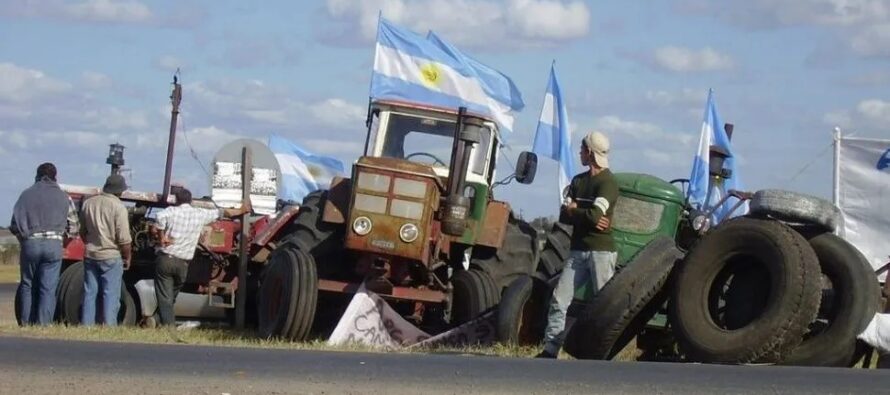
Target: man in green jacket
x=588, y=208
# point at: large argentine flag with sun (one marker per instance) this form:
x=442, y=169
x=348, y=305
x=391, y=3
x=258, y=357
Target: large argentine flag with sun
x=413, y=68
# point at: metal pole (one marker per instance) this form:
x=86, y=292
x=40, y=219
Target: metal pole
x=241, y=293
x=175, y=98
x=837, y=165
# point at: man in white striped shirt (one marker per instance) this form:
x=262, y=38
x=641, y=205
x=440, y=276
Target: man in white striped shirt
x=177, y=230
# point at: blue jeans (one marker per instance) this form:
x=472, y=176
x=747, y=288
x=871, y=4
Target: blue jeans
x=580, y=268
x=101, y=278
x=40, y=261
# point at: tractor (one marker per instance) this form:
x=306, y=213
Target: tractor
x=773, y=286
x=416, y=223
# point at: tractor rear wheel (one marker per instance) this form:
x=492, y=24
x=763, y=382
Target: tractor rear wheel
x=474, y=293
x=309, y=233
x=70, y=299
x=515, y=258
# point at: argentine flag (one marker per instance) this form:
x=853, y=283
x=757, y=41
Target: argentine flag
x=409, y=67
x=712, y=133
x=553, y=138
x=302, y=172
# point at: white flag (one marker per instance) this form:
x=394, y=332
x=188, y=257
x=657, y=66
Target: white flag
x=864, y=196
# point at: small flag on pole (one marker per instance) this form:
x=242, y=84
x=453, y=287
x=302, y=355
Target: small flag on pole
x=302, y=172
x=553, y=138
x=705, y=190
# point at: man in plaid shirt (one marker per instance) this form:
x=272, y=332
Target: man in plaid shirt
x=178, y=229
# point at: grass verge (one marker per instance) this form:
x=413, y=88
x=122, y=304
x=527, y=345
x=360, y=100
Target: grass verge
x=9, y=274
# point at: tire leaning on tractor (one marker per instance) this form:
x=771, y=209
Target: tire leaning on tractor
x=796, y=208
x=620, y=310
x=852, y=300
x=515, y=258
x=70, y=299
x=746, y=292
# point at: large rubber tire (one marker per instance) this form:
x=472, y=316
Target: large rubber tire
x=70, y=299
x=852, y=300
x=620, y=310
x=515, y=258
x=755, y=324
x=309, y=233
x=556, y=251
x=796, y=208
x=306, y=281
x=474, y=292
x=522, y=315
x=278, y=294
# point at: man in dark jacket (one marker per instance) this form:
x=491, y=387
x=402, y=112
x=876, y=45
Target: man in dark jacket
x=42, y=218
x=591, y=202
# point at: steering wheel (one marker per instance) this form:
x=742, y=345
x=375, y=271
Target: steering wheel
x=428, y=155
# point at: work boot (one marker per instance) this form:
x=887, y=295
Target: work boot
x=546, y=355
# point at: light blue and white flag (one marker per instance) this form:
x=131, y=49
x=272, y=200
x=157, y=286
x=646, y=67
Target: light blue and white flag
x=553, y=138
x=409, y=67
x=712, y=133
x=302, y=172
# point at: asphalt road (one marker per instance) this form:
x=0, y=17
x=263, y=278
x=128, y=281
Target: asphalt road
x=54, y=366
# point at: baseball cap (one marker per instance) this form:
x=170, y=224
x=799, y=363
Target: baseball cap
x=598, y=144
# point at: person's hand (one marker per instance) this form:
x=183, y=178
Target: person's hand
x=127, y=263
x=603, y=224
x=165, y=240
x=572, y=205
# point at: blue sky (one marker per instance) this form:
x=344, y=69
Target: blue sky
x=78, y=75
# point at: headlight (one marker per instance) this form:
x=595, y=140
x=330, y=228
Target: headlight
x=408, y=233
x=362, y=226
x=700, y=223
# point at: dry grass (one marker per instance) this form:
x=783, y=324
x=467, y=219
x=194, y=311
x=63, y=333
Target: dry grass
x=9, y=274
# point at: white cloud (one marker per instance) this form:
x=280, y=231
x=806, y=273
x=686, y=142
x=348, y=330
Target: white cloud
x=102, y=11
x=125, y=11
x=473, y=23
x=19, y=84
x=168, y=63
x=875, y=110
x=680, y=59
x=640, y=131
x=338, y=112
x=872, y=41
x=95, y=80
x=685, y=97
x=779, y=13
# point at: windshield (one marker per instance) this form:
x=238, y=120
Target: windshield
x=429, y=141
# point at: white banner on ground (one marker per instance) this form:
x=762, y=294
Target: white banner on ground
x=863, y=195
x=371, y=321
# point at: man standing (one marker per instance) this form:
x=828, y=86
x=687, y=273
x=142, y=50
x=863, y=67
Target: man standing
x=108, y=251
x=589, y=207
x=177, y=230
x=42, y=217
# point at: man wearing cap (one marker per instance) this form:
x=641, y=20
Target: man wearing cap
x=108, y=251
x=588, y=208
x=43, y=217
x=178, y=230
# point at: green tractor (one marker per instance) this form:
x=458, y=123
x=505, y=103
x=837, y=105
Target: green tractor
x=746, y=290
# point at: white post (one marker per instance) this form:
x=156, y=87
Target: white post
x=836, y=195
x=837, y=164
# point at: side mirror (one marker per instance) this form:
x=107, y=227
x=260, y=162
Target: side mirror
x=526, y=167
